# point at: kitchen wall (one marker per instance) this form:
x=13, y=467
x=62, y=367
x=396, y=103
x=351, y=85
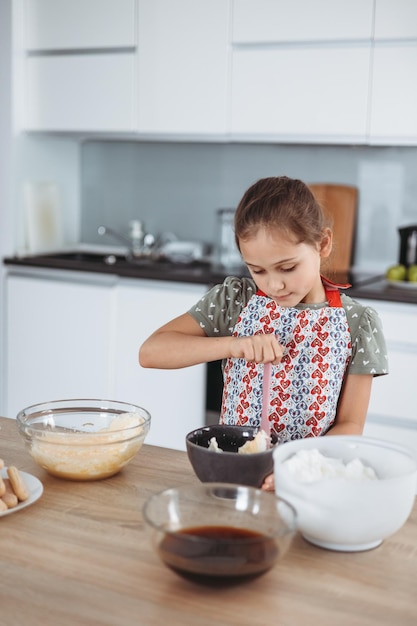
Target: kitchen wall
x=178, y=186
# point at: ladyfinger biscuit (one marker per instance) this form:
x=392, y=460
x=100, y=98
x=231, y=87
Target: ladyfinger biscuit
x=9, y=498
x=17, y=483
x=3, y=506
x=2, y=487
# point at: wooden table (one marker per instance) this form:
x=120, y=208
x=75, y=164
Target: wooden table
x=80, y=556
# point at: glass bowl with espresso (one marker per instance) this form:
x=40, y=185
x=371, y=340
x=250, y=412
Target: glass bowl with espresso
x=219, y=532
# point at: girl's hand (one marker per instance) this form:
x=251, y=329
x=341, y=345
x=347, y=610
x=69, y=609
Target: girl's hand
x=269, y=483
x=263, y=348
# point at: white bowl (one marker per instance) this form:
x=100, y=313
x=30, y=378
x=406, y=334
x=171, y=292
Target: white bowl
x=350, y=514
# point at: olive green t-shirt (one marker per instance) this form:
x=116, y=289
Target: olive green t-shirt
x=218, y=310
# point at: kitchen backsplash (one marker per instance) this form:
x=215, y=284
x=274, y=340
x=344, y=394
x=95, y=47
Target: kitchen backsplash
x=178, y=187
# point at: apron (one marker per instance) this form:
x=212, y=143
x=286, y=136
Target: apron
x=305, y=386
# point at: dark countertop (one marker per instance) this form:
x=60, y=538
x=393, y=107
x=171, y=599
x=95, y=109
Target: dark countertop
x=363, y=285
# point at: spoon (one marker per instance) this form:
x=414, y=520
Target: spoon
x=265, y=425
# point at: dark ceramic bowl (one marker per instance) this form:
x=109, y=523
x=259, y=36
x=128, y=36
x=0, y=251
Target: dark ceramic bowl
x=228, y=466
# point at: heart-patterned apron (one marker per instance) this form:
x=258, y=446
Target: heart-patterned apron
x=305, y=386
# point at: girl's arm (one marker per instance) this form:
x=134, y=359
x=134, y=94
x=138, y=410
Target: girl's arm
x=353, y=405
x=182, y=342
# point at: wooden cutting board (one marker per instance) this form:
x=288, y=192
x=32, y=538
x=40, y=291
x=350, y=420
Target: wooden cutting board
x=339, y=203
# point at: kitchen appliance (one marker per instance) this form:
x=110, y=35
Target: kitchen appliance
x=408, y=245
x=227, y=255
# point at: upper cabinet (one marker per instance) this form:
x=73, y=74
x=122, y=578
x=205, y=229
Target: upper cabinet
x=183, y=66
x=301, y=70
x=324, y=71
x=289, y=21
x=393, y=115
x=80, y=69
x=135, y=66
x=395, y=20
x=236, y=70
x=79, y=24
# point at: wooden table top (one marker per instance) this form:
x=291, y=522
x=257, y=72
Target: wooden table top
x=80, y=556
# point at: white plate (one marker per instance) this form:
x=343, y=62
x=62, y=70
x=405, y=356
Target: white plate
x=402, y=284
x=35, y=489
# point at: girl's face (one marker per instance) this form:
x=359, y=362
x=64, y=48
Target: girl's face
x=286, y=271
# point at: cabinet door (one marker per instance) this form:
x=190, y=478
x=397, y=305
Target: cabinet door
x=393, y=396
x=81, y=92
x=183, y=66
x=307, y=93
x=266, y=21
x=58, y=341
x=175, y=398
x=79, y=24
x=395, y=19
x=394, y=94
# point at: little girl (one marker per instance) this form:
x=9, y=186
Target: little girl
x=324, y=348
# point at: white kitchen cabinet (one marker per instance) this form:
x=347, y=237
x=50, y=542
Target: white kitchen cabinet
x=301, y=93
x=74, y=334
x=80, y=72
x=175, y=398
x=94, y=92
x=266, y=21
x=183, y=64
x=393, y=118
x=164, y=69
x=392, y=413
x=79, y=24
x=393, y=397
x=300, y=70
x=58, y=340
x=395, y=19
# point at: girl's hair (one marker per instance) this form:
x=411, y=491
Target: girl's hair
x=282, y=203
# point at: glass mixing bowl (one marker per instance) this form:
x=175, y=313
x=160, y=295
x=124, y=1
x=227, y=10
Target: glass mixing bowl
x=83, y=439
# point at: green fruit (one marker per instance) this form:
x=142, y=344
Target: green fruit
x=412, y=273
x=396, y=272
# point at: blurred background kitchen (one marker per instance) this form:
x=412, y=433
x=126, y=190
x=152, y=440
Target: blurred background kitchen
x=167, y=110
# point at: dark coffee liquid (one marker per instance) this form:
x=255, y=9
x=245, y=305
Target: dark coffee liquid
x=213, y=554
